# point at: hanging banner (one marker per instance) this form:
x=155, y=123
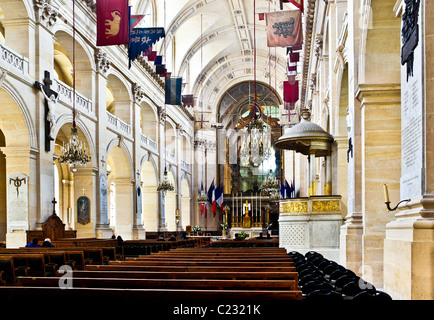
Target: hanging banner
x=141, y=39
x=284, y=28
x=112, y=26
x=173, y=90
x=290, y=92
x=135, y=19
x=298, y=3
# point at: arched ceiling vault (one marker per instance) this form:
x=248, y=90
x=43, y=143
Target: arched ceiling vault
x=214, y=40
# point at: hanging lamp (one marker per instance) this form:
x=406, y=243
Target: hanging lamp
x=165, y=184
x=256, y=141
x=202, y=197
x=74, y=151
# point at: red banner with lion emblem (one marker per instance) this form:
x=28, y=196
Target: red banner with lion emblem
x=112, y=26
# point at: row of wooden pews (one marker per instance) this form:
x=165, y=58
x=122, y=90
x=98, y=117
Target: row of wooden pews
x=194, y=274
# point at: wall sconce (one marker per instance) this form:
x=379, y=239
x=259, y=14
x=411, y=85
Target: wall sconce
x=387, y=201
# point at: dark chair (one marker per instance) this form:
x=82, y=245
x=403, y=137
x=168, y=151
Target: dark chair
x=343, y=280
x=324, y=295
x=314, y=285
x=328, y=270
x=308, y=278
x=309, y=271
x=341, y=272
x=372, y=296
x=355, y=287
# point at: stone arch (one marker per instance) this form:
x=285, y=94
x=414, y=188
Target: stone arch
x=186, y=149
x=14, y=15
x=63, y=62
x=121, y=188
x=185, y=194
x=25, y=112
x=70, y=183
x=149, y=120
x=119, y=97
x=170, y=136
x=116, y=142
x=171, y=202
x=67, y=118
x=149, y=183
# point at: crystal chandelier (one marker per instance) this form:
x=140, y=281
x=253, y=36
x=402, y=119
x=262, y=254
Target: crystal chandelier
x=256, y=144
x=165, y=184
x=271, y=184
x=202, y=197
x=74, y=152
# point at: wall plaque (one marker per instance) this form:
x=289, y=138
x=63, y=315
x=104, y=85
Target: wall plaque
x=103, y=198
x=412, y=121
x=17, y=202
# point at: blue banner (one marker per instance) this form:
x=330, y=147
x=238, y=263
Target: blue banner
x=141, y=39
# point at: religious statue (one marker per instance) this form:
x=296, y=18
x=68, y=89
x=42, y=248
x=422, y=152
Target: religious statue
x=51, y=116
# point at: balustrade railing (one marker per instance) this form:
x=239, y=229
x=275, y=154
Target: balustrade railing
x=118, y=125
x=66, y=95
x=13, y=59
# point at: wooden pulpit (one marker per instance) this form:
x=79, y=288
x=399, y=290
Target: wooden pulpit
x=52, y=228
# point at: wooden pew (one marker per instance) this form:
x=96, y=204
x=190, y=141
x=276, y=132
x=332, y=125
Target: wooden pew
x=140, y=296
x=54, y=256
x=203, y=263
x=28, y=264
x=188, y=275
x=246, y=258
x=128, y=283
x=7, y=271
x=129, y=267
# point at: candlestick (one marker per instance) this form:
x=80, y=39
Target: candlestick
x=386, y=194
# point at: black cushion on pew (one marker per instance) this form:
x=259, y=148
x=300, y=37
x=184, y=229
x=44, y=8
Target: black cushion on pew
x=324, y=295
x=368, y=295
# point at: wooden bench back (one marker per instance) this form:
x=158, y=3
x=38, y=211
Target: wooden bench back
x=188, y=275
x=132, y=296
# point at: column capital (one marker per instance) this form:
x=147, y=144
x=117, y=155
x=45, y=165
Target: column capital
x=101, y=61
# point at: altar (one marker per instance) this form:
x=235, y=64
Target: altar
x=249, y=223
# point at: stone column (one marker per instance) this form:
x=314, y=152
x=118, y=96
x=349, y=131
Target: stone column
x=18, y=217
x=328, y=182
x=138, y=95
x=312, y=173
x=162, y=165
x=381, y=148
x=409, y=243
x=102, y=63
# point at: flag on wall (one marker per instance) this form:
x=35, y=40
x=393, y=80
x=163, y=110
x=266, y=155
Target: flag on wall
x=141, y=40
x=211, y=194
x=202, y=205
x=173, y=87
x=282, y=191
x=219, y=197
x=287, y=189
x=112, y=22
x=284, y=28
